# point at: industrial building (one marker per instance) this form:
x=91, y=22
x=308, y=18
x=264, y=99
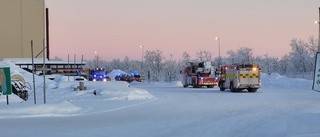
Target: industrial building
x=23, y=21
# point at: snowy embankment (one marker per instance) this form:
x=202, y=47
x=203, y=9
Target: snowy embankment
x=277, y=81
x=301, y=124
x=63, y=100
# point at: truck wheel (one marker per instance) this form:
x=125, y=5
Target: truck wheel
x=232, y=88
x=221, y=87
x=210, y=86
x=251, y=90
x=194, y=85
x=185, y=86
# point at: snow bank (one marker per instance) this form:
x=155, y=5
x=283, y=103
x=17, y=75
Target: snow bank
x=115, y=90
x=3, y=99
x=279, y=81
x=60, y=109
x=61, y=98
x=28, y=76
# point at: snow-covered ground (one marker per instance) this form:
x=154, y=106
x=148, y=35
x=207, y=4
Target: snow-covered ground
x=284, y=107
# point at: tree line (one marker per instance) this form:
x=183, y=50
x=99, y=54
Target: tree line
x=299, y=61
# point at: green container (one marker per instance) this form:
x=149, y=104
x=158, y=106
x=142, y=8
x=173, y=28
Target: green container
x=5, y=81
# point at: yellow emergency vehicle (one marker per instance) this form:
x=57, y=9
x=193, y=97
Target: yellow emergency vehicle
x=238, y=77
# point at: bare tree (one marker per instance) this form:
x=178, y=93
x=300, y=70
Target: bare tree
x=200, y=55
x=115, y=64
x=232, y=56
x=153, y=60
x=186, y=57
x=97, y=61
x=268, y=64
x=242, y=56
x=56, y=58
x=207, y=56
x=300, y=56
x=126, y=64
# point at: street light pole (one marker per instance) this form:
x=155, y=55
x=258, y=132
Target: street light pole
x=217, y=38
x=319, y=32
x=97, y=58
x=142, y=58
x=170, y=67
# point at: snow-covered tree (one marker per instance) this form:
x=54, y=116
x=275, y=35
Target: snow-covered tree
x=268, y=64
x=95, y=63
x=126, y=64
x=56, y=58
x=232, y=57
x=153, y=61
x=299, y=60
x=204, y=55
x=200, y=55
x=185, y=57
x=241, y=56
x=285, y=66
x=300, y=56
x=115, y=64
x=312, y=46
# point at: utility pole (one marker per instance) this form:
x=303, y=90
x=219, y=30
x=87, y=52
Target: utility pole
x=33, y=73
x=319, y=32
x=217, y=38
x=44, y=73
x=142, y=60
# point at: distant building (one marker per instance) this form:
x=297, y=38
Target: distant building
x=51, y=67
x=20, y=22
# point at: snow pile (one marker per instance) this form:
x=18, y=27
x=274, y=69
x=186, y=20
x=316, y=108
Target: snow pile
x=114, y=73
x=28, y=76
x=60, y=109
x=62, y=99
x=125, y=93
x=14, y=98
x=279, y=81
x=60, y=78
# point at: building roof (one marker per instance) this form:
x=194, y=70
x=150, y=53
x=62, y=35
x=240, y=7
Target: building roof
x=39, y=61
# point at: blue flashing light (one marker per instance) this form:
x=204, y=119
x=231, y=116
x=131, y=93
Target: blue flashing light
x=100, y=76
x=95, y=75
x=132, y=74
x=201, y=78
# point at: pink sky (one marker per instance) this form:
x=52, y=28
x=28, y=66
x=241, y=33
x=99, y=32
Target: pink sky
x=117, y=28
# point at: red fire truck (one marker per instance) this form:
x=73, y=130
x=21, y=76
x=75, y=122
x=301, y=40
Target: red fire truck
x=199, y=74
